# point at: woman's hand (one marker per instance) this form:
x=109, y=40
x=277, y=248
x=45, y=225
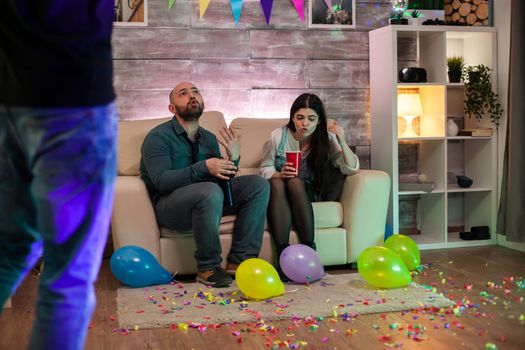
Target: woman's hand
x=288, y=171
x=231, y=143
x=339, y=133
x=221, y=168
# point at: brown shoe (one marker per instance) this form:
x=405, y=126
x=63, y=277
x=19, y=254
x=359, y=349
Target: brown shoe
x=216, y=278
x=231, y=268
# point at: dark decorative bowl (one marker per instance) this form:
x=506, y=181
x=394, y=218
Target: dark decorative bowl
x=464, y=181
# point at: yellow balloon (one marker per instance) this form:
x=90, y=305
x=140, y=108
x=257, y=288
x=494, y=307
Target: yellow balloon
x=257, y=279
x=406, y=248
x=381, y=267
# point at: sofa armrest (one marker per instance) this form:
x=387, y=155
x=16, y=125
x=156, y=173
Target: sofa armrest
x=365, y=204
x=133, y=220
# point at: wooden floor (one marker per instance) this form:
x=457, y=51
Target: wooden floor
x=486, y=282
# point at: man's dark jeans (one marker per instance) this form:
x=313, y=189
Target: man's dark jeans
x=199, y=207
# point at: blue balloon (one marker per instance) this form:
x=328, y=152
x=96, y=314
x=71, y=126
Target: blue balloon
x=136, y=267
x=388, y=231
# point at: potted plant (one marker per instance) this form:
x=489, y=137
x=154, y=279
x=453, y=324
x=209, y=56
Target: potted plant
x=479, y=96
x=455, y=66
x=414, y=17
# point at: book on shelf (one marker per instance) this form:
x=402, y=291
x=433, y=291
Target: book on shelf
x=425, y=186
x=475, y=132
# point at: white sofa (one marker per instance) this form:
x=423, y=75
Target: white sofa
x=342, y=229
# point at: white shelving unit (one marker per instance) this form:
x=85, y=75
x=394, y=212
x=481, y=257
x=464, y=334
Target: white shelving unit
x=440, y=157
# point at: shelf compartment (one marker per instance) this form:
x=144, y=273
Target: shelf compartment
x=475, y=47
x=468, y=209
x=423, y=49
x=432, y=120
x=472, y=157
x=424, y=214
x=422, y=158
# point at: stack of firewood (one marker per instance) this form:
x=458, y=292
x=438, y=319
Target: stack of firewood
x=472, y=12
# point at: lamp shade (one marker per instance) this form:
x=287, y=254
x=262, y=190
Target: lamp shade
x=408, y=102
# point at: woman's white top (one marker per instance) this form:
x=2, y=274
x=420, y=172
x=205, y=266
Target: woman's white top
x=273, y=154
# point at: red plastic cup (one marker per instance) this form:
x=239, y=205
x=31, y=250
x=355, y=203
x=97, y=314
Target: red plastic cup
x=294, y=157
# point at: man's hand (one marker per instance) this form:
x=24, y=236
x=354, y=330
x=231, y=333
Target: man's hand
x=339, y=133
x=230, y=142
x=221, y=168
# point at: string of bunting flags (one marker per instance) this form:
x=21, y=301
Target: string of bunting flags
x=236, y=6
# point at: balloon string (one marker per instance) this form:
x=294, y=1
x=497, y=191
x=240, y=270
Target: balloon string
x=291, y=291
x=173, y=276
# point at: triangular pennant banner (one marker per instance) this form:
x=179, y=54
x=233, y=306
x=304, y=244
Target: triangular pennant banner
x=203, y=6
x=299, y=7
x=170, y=4
x=267, y=9
x=236, y=10
x=328, y=4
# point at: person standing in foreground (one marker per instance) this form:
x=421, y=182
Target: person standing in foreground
x=325, y=158
x=183, y=170
x=57, y=158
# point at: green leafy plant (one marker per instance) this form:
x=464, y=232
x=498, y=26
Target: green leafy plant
x=455, y=63
x=480, y=98
x=415, y=13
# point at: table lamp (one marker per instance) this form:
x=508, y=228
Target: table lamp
x=408, y=108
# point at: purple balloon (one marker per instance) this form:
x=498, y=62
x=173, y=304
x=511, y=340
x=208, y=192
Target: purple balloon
x=301, y=264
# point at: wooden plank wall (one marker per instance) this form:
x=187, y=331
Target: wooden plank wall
x=253, y=70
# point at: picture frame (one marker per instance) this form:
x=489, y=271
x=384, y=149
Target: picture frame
x=130, y=13
x=341, y=16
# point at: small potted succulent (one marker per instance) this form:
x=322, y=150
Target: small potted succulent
x=480, y=99
x=414, y=17
x=455, y=66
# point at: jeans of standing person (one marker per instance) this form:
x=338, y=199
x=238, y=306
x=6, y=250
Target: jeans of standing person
x=199, y=207
x=57, y=173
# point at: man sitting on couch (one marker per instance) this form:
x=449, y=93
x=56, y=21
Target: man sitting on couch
x=183, y=170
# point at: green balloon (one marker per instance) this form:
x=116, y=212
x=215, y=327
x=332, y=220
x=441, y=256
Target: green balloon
x=406, y=248
x=382, y=268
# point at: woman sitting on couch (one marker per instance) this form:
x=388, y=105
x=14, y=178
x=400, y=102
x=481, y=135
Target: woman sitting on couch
x=325, y=159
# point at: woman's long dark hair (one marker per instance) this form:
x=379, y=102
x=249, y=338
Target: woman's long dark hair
x=319, y=157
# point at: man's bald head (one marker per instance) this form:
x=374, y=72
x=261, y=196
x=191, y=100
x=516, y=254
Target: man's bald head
x=186, y=101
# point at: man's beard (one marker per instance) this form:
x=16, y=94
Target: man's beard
x=190, y=114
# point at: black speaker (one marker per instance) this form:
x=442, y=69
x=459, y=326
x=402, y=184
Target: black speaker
x=481, y=232
x=413, y=75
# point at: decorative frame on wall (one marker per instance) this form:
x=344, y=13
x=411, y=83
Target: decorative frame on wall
x=341, y=16
x=472, y=13
x=131, y=13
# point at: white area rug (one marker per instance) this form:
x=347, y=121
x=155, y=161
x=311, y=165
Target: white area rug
x=335, y=295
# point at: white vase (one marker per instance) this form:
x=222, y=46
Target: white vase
x=413, y=21
x=452, y=128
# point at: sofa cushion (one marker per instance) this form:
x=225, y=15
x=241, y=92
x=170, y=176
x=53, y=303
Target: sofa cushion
x=131, y=135
x=327, y=214
x=254, y=132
